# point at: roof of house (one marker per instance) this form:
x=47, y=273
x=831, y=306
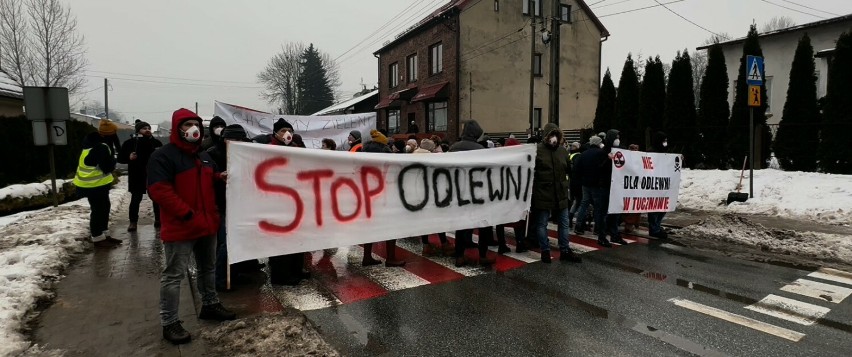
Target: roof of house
x=461, y=5
x=787, y=30
x=9, y=88
x=342, y=106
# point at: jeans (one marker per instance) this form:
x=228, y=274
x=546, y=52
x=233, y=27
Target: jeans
x=541, y=218
x=222, y=255
x=177, y=262
x=597, y=197
x=100, y=207
x=135, y=200
x=655, y=221
x=464, y=238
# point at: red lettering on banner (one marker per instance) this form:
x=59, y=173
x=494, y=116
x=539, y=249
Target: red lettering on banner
x=647, y=163
x=370, y=193
x=316, y=176
x=335, y=202
x=626, y=204
x=260, y=174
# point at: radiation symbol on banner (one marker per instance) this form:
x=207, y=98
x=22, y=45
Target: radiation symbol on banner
x=618, y=160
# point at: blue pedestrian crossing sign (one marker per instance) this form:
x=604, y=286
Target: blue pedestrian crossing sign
x=754, y=70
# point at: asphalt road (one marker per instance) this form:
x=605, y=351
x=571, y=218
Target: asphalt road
x=637, y=300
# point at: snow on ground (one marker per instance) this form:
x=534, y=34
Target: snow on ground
x=279, y=334
x=823, y=198
x=34, y=249
x=30, y=189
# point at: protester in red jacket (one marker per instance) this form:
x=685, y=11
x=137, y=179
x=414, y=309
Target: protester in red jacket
x=180, y=180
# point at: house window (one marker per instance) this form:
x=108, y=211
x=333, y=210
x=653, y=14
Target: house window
x=536, y=118
x=566, y=13
x=393, y=75
x=436, y=114
x=411, y=67
x=537, y=65
x=536, y=6
x=496, y=5
x=393, y=121
x=436, y=58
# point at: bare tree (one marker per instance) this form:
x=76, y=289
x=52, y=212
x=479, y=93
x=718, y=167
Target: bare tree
x=41, y=47
x=777, y=23
x=281, y=77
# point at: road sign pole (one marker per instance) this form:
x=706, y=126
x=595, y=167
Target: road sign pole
x=751, y=152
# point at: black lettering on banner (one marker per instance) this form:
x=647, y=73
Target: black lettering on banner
x=442, y=202
x=510, y=179
x=462, y=202
x=492, y=193
x=419, y=206
x=474, y=185
x=529, y=181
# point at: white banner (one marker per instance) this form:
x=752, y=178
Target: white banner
x=285, y=200
x=644, y=182
x=312, y=128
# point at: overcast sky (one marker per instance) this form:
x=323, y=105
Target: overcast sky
x=149, y=48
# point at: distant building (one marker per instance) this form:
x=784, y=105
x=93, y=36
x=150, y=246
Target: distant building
x=363, y=102
x=779, y=48
x=11, y=97
x=471, y=59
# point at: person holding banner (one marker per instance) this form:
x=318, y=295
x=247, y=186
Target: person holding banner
x=551, y=193
x=613, y=140
x=519, y=227
x=659, y=143
x=427, y=147
x=379, y=144
x=591, y=174
x=180, y=180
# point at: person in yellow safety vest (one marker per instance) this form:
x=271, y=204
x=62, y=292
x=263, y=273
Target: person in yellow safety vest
x=94, y=180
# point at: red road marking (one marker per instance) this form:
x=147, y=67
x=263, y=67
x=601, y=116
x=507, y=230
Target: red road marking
x=501, y=264
x=430, y=271
x=333, y=272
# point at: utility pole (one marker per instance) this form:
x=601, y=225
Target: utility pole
x=532, y=65
x=196, y=108
x=554, y=61
x=106, y=98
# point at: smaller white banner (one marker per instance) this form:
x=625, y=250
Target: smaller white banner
x=312, y=128
x=644, y=181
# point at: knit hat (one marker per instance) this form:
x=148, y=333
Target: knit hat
x=427, y=144
x=356, y=134
x=595, y=141
x=378, y=137
x=412, y=143
x=106, y=127
x=281, y=124
x=235, y=132
x=141, y=124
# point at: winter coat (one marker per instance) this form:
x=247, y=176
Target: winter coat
x=470, y=135
x=657, y=142
x=552, y=166
x=138, y=169
x=180, y=180
x=376, y=147
x=219, y=154
x=576, y=180
x=209, y=142
x=589, y=168
x=421, y=151
x=100, y=155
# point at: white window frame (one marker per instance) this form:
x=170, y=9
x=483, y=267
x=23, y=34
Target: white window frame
x=526, y=7
x=431, y=109
x=411, y=68
x=436, y=58
x=393, y=74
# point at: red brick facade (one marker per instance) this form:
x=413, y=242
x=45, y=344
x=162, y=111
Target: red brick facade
x=441, y=30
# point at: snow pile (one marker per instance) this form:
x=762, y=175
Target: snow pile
x=823, y=198
x=279, y=334
x=34, y=250
x=29, y=190
x=806, y=247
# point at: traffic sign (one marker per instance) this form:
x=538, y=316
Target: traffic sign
x=58, y=133
x=754, y=70
x=46, y=103
x=754, y=96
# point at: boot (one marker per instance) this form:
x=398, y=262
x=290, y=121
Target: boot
x=104, y=242
x=660, y=235
x=175, y=333
x=486, y=261
x=131, y=227
x=604, y=243
x=618, y=240
x=216, y=312
x=114, y=241
x=503, y=249
x=391, y=261
x=521, y=247
x=368, y=259
x=429, y=250
x=569, y=256
x=545, y=257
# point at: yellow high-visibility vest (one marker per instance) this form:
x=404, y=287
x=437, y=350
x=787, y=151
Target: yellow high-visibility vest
x=90, y=176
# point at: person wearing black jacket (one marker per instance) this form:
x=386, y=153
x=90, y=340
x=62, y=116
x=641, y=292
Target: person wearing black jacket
x=217, y=124
x=589, y=170
x=612, y=220
x=659, y=143
x=94, y=179
x=135, y=152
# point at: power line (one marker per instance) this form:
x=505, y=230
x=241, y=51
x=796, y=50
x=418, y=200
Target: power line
x=791, y=9
x=593, y=4
x=808, y=7
x=386, y=24
x=610, y=4
x=687, y=20
x=163, y=77
x=177, y=83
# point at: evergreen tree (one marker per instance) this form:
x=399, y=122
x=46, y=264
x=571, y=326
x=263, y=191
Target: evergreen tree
x=680, y=119
x=627, y=104
x=652, y=101
x=713, y=110
x=605, y=112
x=315, y=91
x=738, y=130
x=836, y=146
x=798, y=133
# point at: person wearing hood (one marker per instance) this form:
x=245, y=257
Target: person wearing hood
x=282, y=134
x=217, y=124
x=519, y=227
x=354, y=140
x=379, y=144
x=659, y=143
x=135, y=152
x=551, y=193
x=94, y=179
x=472, y=133
x=589, y=172
x=181, y=180
x=428, y=146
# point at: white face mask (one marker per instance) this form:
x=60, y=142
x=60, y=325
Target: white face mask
x=218, y=131
x=601, y=145
x=192, y=134
x=553, y=140
x=665, y=143
x=616, y=143
x=287, y=137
